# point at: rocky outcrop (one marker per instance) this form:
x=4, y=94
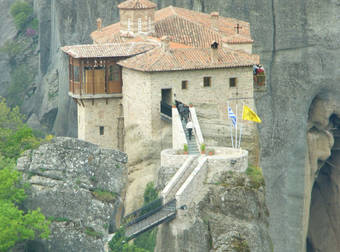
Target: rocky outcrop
x=78, y=186
x=298, y=42
x=231, y=215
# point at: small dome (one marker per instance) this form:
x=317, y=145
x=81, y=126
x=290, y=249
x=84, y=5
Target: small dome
x=137, y=4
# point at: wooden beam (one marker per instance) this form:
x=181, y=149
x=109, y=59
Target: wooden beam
x=81, y=76
x=93, y=91
x=72, y=70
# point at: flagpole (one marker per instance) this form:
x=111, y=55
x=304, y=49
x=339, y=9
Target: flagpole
x=239, y=146
x=236, y=127
x=231, y=130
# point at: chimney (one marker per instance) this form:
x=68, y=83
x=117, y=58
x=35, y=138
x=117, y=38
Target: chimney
x=99, y=24
x=214, y=20
x=213, y=51
x=165, y=43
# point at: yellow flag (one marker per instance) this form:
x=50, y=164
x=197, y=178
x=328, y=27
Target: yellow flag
x=250, y=115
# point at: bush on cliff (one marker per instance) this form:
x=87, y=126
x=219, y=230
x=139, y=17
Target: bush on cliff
x=22, y=13
x=16, y=225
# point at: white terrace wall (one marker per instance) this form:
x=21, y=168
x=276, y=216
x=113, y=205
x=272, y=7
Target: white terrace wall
x=178, y=135
x=208, y=170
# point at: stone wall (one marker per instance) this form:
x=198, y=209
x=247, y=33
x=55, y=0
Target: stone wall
x=96, y=113
x=244, y=47
x=211, y=103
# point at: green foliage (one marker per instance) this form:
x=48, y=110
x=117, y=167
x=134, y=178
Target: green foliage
x=15, y=224
x=118, y=240
x=15, y=136
x=12, y=49
x=22, y=13
x=91, y=232
x=105, y=196
x=185, y=148
x=147, y=240
x=150, y=193
x=255, y=175
x=203, y=147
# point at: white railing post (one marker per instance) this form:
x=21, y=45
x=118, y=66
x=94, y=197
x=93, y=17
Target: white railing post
x=197, y=128
x=178, y=135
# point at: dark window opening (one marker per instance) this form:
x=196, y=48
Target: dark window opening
x=207, y=81
x=232, y=82
x=101, y=130
x=76, y=73
x=185, y=84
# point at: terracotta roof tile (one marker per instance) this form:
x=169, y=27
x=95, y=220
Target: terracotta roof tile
x=185, y=27
x=137, y=4
x=107, y=50
x=159, y=59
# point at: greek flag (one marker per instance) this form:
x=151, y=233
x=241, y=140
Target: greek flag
x=232, y=116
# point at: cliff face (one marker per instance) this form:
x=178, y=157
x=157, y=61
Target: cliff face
x=78, y=186
x=231, y=215
x=299, y=46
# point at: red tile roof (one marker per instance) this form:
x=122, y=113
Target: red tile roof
x=185, y=27
x=107, y=50
x=137, y=4
x=159, y=59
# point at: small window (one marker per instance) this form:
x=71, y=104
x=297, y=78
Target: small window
x=207, y=81
x=139, y=24
x=232, y=82
x=101, y=130
x=76, y=73
x=185, y=84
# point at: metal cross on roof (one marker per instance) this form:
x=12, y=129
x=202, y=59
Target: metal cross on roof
x=238, y=27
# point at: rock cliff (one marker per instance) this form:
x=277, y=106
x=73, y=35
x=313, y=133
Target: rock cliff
x=299, y=46
x=78, y=186
x=231, y=215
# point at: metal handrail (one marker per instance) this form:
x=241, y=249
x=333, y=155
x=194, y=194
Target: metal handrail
x=143, y=210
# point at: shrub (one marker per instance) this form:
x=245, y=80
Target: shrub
x=202, y=147
x=105, y=196
x=91, y=232
x=255, y=175
x=12, y=49
x=150, y=193
x=185, y=148
x=22, y=13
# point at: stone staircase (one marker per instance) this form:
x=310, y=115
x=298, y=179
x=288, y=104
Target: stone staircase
x=192, y=145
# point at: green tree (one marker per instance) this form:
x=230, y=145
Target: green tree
x=16, y=225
